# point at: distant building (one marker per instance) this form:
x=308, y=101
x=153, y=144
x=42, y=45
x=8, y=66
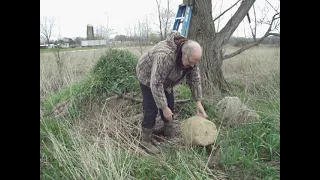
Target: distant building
x=42, y=46
x=90, y=35
x=45, y=46
x=65, y=45
x=92, y=43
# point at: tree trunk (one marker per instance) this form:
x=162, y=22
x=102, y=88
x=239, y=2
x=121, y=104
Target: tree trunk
x=48, y=41
x=159, y=17
x=202, y=30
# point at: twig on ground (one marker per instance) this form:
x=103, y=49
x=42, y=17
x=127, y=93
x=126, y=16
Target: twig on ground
x=119, y=95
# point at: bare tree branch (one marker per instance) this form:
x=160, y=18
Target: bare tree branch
x=250, y=45
x=214, y=7
x=254, y=31
x=140, y=36
x=223, y=36
x=170, y=14
x=102, y=32
x=218, y=26
x=112, y=97
x=272, y=7
x=130, y=98
x=167, y=19
x=226, y=10
x=147, y=29
x=128, y=30
x=255, y=21
x=119, y=95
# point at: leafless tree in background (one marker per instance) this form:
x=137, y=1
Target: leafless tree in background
x=166, y=17
x=46, y=27
x=103, y=33
x=141, y=33
x=129, y=34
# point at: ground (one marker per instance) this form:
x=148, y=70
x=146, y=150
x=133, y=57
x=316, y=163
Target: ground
x=88, y=147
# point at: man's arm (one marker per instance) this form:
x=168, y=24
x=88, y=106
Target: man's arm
x=194, y=81
x=160, y=69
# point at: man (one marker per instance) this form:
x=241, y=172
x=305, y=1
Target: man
x=158, y=71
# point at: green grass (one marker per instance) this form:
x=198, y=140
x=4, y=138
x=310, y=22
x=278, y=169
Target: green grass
x=248, y=148
x=175, y=164
x=92, y=147
x=75, y=94
x=116, y=71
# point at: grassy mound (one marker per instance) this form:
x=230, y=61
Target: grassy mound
x=116, y=71
x=113, y=72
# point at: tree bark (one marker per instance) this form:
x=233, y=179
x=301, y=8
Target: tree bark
x=202, y=30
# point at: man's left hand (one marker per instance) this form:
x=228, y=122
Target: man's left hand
x=200, y=110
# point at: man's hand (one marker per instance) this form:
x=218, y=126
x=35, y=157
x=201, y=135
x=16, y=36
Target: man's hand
x=167, y=113
x=200, y=111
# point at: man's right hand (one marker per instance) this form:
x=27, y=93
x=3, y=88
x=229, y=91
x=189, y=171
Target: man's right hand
x=167, y=113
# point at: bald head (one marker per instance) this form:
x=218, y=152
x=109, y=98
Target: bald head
x=192, y=53
x=190, y=47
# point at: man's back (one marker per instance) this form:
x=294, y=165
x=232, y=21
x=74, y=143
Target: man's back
x=164, y=50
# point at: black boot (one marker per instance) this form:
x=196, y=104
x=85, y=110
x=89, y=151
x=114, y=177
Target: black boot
x=168, y=129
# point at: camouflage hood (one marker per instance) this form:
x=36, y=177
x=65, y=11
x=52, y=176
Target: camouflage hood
x=174, y=38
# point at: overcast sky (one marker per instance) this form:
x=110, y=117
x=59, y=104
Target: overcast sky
x=72, y=16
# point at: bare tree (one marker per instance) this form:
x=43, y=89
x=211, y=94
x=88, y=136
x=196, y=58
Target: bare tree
x=146, y=28
x=103, y=33
x=42, y=40
x=141, y=33
x=165, y=17
x=159, y=18
x=202, y=29
x=129, y=32
x=46, y=27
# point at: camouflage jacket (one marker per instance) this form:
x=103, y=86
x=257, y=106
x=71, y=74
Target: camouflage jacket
x=156, y=69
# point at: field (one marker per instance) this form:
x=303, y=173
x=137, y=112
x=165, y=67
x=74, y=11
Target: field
x=93, y=142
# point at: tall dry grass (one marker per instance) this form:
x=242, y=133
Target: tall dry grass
x=75, y=65
x=250, y=65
